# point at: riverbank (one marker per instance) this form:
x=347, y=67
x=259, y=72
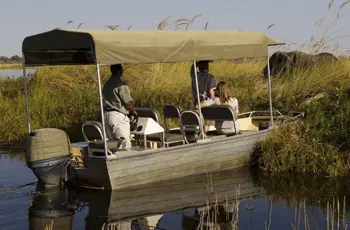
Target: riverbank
x=65, y=97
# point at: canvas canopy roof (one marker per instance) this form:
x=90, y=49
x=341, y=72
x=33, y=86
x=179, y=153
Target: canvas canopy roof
x=67, y=47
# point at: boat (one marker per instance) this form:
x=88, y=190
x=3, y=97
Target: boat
x=97, y=162
x=145, y=206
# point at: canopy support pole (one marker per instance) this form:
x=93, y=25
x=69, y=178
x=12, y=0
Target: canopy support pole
x=202, y=134
x=26, y=94
x=270, y=91
x=101, y=106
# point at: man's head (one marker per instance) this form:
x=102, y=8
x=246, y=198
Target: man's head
x=117, y=70
x=203, y=66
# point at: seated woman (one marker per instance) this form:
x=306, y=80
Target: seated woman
x=222, y=97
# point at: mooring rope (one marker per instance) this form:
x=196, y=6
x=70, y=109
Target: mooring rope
x=11, y=188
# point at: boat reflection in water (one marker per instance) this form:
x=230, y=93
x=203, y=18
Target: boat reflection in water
x=51, y=210
x=213, y=196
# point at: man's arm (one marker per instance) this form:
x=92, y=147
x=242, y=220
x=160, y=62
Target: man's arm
x=131, y=108
x=207, y=102
x=125, y=96
x=211, y=93
x=211, y=86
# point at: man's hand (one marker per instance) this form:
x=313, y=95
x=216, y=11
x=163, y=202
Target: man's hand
x=131, y=108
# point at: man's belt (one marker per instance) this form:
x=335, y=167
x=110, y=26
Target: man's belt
x=109, y=109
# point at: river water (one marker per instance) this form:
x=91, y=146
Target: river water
x=15, y=72
x=237, y=199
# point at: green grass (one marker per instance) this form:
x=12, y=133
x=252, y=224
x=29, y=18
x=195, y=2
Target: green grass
x=319, y=145
x=65, y=97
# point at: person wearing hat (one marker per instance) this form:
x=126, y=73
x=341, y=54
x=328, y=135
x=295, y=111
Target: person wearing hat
x=118, y=107
x=206, y=86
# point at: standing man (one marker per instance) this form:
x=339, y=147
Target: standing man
x=206, y=86
x=118, y=106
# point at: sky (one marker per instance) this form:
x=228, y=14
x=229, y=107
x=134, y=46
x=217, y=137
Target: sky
x=293, y=20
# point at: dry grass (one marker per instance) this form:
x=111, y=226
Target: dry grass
x=319, y=145
x=64, y=96
x=49, y=226
x=163, y=24
x=10, y=66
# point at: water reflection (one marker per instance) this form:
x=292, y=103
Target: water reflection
x=145, y=206
x=15, y=72
x=198, y=200
x=238, y=199
x=51, y=210
x=225, y=200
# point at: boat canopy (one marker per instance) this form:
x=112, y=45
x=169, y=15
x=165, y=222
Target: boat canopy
x=106, y=47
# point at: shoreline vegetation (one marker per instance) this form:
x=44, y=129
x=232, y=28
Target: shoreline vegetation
x=65, y=97
x=11, y=66
x=10, y=62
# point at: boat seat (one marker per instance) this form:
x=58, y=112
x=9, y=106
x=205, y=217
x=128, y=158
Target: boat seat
x=190, y=125
x=171, y=137
x=192, y=131
x=219, y=113
x=171, y=112
x=111, y=144
x=92, y=132
x=149, y=113
x=174, y=131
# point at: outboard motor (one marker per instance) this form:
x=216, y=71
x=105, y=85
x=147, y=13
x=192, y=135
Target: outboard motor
x=48, y=151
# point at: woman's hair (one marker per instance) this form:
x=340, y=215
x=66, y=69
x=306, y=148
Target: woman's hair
x=223, y=92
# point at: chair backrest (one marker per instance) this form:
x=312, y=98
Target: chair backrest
x=171, y=111
x=218, y=113
x=189, y=119
x=149, y=113
x=92, y=131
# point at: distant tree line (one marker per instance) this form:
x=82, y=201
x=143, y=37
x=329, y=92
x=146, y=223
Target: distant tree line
x=12, y=60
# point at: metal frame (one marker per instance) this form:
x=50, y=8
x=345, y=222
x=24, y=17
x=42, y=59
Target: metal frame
x=201, y=135
x=166, y=118
x=165, y=143
x=166, y=126
x=26, y=94
x=90, y=150
x=101, y=105
x=270, y=89
x=91, y=124
x=258, y=111
x=183, y=127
